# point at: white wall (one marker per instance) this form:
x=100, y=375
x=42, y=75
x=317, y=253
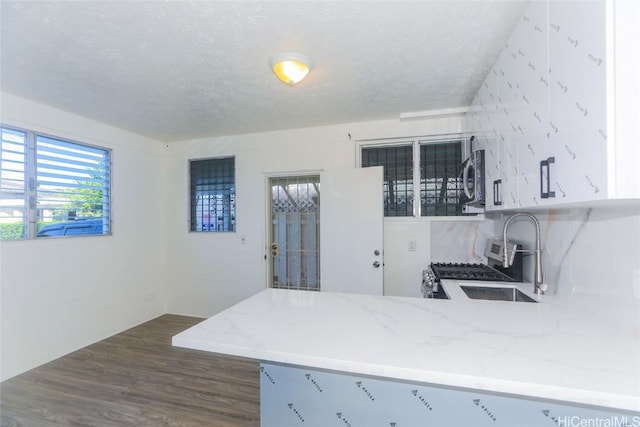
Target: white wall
x=58, y=295
x=402, y=267
x=210, y=272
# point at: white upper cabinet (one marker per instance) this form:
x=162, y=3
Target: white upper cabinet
x=578, y=94
x=524, y=105
x=564, y=126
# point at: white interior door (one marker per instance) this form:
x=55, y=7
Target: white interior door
x=351, y=231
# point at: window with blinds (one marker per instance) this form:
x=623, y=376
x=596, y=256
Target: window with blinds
x=53, y=187
x=13, y=188
x=72, y=181
x=426, y=166
x=213, y=194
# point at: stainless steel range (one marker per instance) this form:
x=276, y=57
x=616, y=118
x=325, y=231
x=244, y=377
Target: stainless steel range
x=490, y=272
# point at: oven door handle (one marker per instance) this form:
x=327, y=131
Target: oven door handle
x=465, y=176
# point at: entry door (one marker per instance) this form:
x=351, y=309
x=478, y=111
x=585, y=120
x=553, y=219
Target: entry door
x=294, y=248
x=351, y=231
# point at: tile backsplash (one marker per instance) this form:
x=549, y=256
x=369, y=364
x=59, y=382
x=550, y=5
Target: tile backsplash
x=459, y=241
x=586, y=251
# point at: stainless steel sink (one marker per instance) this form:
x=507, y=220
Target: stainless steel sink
x=496, y=293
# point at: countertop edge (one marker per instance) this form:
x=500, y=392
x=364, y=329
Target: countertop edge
x=493, y=385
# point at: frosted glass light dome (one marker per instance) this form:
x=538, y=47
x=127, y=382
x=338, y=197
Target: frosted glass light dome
x=291, y=68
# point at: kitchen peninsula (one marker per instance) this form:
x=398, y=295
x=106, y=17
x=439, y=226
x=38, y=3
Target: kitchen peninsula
x=491, y=354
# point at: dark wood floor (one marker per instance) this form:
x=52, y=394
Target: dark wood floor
x=136, y=378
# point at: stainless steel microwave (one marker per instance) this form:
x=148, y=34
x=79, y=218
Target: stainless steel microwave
x=473, y=191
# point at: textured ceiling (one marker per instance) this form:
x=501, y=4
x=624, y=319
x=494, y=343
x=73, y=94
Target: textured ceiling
x=186, y=69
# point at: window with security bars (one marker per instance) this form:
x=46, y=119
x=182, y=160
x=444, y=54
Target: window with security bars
x=213, y=194
x=440, y=180
x=52, y=187
x=397, y=162
x=426, y=166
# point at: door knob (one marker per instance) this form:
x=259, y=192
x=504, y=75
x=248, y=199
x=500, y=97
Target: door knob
x=376, y=264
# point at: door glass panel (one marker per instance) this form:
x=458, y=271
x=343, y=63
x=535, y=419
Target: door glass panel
x=295, y=228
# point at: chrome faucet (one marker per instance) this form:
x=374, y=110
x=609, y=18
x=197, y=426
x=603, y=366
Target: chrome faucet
x=538, y=282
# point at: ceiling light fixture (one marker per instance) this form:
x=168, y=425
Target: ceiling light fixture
x=291, y=68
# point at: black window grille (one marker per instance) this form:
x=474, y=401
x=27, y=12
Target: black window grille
x=213, y=194
x=440, y=180
x=439, y=165
x=397, y=161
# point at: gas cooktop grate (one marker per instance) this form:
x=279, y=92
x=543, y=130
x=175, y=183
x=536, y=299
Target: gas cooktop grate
x=468, y=271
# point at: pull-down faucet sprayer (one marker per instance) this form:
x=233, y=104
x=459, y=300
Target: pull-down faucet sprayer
x=539, y=286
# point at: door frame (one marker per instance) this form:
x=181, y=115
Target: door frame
x=267, y=176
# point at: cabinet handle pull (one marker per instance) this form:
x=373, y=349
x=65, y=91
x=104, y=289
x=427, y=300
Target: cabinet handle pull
x=545, y=178
x=497, y=196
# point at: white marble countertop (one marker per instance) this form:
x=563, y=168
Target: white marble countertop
x=547, y=350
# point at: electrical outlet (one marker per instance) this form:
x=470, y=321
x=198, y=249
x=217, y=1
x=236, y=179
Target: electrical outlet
x=412, y=245
x=243, y=239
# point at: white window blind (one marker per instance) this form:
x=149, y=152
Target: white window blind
x=53, y=187
x=72, y=180
x=13, y=190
